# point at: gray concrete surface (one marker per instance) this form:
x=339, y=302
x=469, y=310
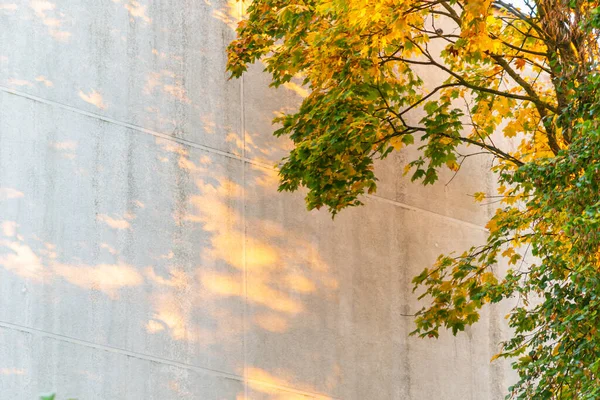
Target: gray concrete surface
x=146, y=254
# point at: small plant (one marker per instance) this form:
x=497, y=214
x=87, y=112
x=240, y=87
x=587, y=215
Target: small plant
x=51, y=396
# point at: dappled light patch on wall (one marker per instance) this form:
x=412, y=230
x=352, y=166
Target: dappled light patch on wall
x=21, y=260
x=173, y=315
x=299, y=283
x=52, y=18
x=222, y=284
x=40, y=264
x=230, y=14
x=115, y=223
x=168, y=83
x=70, y=145
x=19, y=82
x=137, y=10
x=107, y=278
x=271, y=322
x=12, y=371
x=108, y=248
x=47, y=82
x=299, y=90
x=67, y=149
x=8, y=228
x=94, y=98
x=7, y=7
x=276, y=387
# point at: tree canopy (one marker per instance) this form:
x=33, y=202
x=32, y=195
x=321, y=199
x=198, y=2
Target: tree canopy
x=529, y=74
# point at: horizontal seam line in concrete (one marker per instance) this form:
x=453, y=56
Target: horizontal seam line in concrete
x=213, y=150
x=148, y=357
x=427, y=212
x=133, y=127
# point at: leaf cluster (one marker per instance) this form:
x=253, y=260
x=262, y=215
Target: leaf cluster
x=459, y=79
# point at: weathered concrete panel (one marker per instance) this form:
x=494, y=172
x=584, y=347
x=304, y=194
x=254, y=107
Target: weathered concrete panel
x=111, y=236
x=323, y=276
x=451, y=196
x=41, y=364
x=155, y=64
x=338, y=292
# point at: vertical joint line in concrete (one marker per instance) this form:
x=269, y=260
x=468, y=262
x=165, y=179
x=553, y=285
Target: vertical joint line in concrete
x=244, y=264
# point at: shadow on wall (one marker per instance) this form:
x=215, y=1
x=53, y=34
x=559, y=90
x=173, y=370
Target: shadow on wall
x=142, y=232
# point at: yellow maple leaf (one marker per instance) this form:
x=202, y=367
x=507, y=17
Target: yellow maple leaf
x=508, y=252
x=492, y=225
x=453, y=165
x=397, y=142
x=510, y=130
x=488, y=277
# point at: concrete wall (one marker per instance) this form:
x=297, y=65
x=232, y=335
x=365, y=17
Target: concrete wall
x=145, y=252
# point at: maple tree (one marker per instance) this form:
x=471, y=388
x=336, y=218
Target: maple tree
x=522, y=86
